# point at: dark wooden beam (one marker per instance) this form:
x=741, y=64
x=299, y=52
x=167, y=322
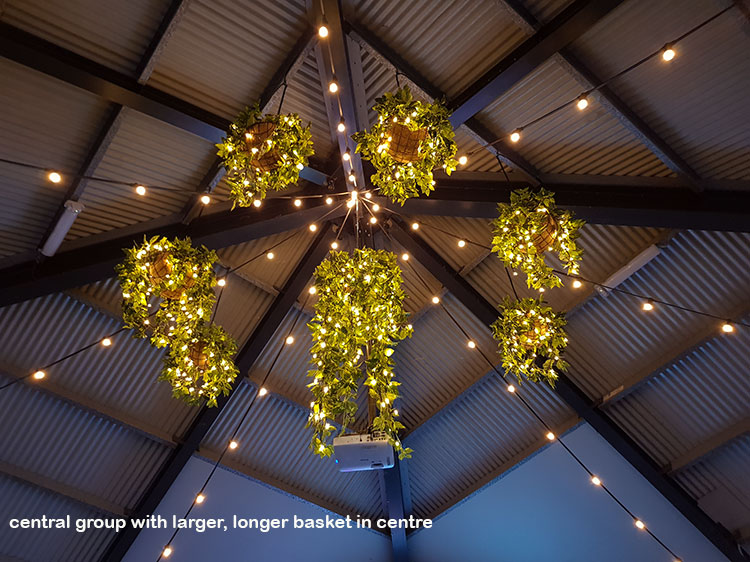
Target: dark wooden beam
x=95, y=262
x=598, y=200
x=574, y=397
x=249, y=353
x=566, y=27
x=398, y=505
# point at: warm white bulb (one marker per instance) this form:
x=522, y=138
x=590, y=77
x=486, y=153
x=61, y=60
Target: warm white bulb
x=582, y=104
x=205, y=199
x=368, y=195
x=352, y=178
x=221, y=282
x=461, y=243
x=595, y=481
x=140, y=189
x=435, y=300
x=515, y=136
x=373, y=220
x=312, y=290
x=550, y=436
x=376, y=207
x=39, y=375
x=270, y=255
x=347, y=155
x=262, y=391
x=334, y=245
x=405, y=257
x=290, y=340
x=329, y=200
x=668, y=54
x=648, y=305
x=415, y=226
x=200, y=498
x=341, y=126
x=463, y=160
x=323, y=31
x=106, y=342
x=471, y=344
x=167, y=552
x=54, y=177
x=333, y=87
x=233, y=445
x=511, y=388
x=727, y=328
x=350, y=203
x=257, y=203
x=577, y=284
x=640, y=524
x=354, y=194
x=313, y=227
x=298, y=202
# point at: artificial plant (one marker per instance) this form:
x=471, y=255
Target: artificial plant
x=530, y=225
x=404, y=126
x=531, y=339
x=359, y=318
x=262, y=153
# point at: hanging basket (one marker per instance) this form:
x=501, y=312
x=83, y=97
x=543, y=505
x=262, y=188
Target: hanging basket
x=543, y=239
x=404, y=144
x=532, y=337
x=268, y=162
x=159, y=272
x=258, y=135
x=197, y=355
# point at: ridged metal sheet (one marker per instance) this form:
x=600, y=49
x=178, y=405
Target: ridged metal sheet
x=691, y=400
x=274, y=442
x=545, y=10
x=148, y=152
x=612, y=339
x=59, y=441
x=228, y=67
x=21, y=500
x=121, y=378
x=479, y=434
x=697, y=103
x=570, y=141
x=113, y=33
x=452, y=43
x=45, y=123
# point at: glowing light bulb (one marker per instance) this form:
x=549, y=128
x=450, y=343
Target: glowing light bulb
x=233, y=445
x=515, y=136
x=313, y=227
x=668, y=53
x=39, y=375
x=221, y=282
x=640, y=524
x=298, y=202
x=435, y=300
x=373, y=220
x=461, y=243
x=415, y=226
x=354, y=194
x=323, y=31
x=463, y=160
x=312, y=290
x=140, y=189
x=262, y=391
x=577, y=284
x=205, y=199
x=167, y=552
x=347, y=155
x=595, y=481
x=341, y=126
x=257, y=203
x=270, y=255
x=290, y=340
x=471, y=344
x=334, y=245
x=200, y=498
x=510, y=388
x=648, y=305
x=550, y=436
x=333, y=87
x=376, y=207
x=582, y=104
x=352, y=178
x=727, y=327
x=368, y=195
x=405, y=257
x=350, y=203
x=106, y=342
x=329, y=200
x=54, y=177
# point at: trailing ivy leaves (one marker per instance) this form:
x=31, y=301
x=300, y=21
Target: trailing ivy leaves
x=395, y=178
x=262, y=153
x=528, y=227
x=527, y=330
x=173, y=270
x=359, y=319
x=200, y=364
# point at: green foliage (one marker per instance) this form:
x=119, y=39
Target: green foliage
x=359, y=319
x=173, y=270
x=200, y=363
x=524, y=220
x=397, y=180
x=528, y=329
x=290, y=140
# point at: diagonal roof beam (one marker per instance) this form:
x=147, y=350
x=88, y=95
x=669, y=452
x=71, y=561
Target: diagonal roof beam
x=249, y=353
x=389, y=58
x=46, y=57
x=575, y=398
x=566, y=27
x=611, y=101
x=95, y=262
x=395, y=484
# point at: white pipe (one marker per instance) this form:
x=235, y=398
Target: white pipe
x=631, y=268
x=58, y=234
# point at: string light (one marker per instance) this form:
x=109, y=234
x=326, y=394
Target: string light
x=333, y=87
x=595, y=481
x=341, y=126
x=298, y=202
x=352, y=178
x=323, y=31
x=415, y=226
x=233, y=445
x=510, y=388
x=347, y=155
x=582, y=104
x=461, y=243
x=435, y=300
x=405, y=256
x=290, y=340
x=577, y=284
x=262, y=391
x=106, y=342
x=313, y=227
x=329, y=200
x=515, y=136
x=471, y=344
x=727, y=327
x=270, y=255
x=205, y=199
x=140, y=190
x=640, y=524
x=648, y=306
x=257, y=203
x=463, y=160
x=39, y=375
x=368, y=195
x=550, y=436
x=667, y=53
x=373, y=220
x=200, y=498
x=350, y=203
x=167, y=552
x=54, y=177
x=376, y=207
x=334, y=245
x=312, y=290
x=221, y=282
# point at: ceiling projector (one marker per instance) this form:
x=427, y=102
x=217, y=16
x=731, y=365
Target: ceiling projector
x=369, y=451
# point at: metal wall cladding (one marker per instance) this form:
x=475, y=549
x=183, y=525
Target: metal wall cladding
x=697, y=102
x=274, y=442
x=148, y=152
x=57, y=440
x=452, y=43
x=223, y=53
x=690, y=400
x=121, y=379
x=113, y=33
x=545, y=10
x=570, y=141
x=21, y=500
x=473, y=440
x=723, y=474
x=45, y=123
x=612, y=339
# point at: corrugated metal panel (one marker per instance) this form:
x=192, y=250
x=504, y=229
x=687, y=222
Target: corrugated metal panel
x=145, y=151
x=121, y=378
x=24, y=501
x=697, y=103
x=227, y=67
x=612, y=338
x=46, y=123
x=56, y=440
x=110, y=32
x=452, y=43
x=545, y=10
x=571, y=141
x=274, y=442
x=443, y=233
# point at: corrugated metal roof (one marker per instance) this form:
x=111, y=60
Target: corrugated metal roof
x=110, y=32
x=226, y=68
x=24, y=501
x=45, y=123
x=571, y=141
x=697, y=102
x=274, y=442
x=149, y=152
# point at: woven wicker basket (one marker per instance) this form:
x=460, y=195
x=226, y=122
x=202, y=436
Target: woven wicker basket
x=405, y=143
x=543, y=239
x=259, y=134
x=267, y=162
x=160, y=270
x=197, y=355
x=532, y=335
